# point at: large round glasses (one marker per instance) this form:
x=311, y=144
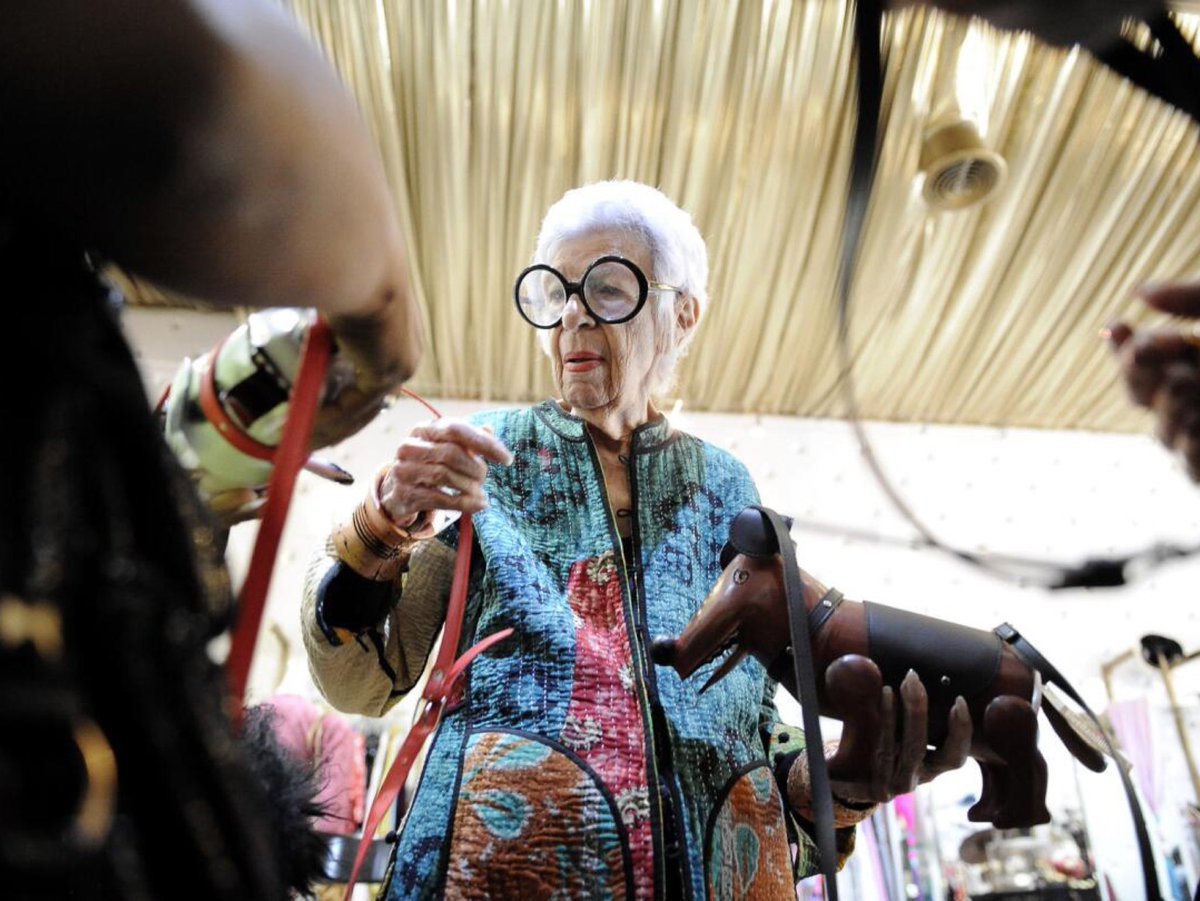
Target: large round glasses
x=613, y=290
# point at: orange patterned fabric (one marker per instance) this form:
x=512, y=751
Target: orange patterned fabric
x=531, y=823
x=747, y=854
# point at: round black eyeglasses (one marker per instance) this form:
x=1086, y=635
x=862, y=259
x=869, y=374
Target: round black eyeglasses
x=613, y=290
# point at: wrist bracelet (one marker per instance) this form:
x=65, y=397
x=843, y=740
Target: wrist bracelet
x=799, y=789
x=372, y=544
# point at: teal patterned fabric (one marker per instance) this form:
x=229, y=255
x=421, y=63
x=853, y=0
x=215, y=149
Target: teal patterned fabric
x=549, y=565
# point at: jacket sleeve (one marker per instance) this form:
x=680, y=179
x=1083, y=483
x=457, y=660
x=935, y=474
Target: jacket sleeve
x=368, y=642
x=783, y=745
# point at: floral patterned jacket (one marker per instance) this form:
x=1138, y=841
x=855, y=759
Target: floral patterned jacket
x=573, y=767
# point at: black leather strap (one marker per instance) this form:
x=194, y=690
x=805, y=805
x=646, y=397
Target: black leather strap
x=806, y=683
x=950, y=659
x=819, y=615
x=1171, y=72
x=868, y=17
x=1033, y=658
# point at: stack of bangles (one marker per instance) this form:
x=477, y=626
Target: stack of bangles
x=373, y=544
x=799, y=786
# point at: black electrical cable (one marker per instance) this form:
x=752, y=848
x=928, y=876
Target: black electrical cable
x=1095, y=572
x=1099, y=572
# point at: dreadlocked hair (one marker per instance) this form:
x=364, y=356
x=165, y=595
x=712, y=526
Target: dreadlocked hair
x=291, y=786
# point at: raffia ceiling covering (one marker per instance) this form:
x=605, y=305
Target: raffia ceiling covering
x=486, y=111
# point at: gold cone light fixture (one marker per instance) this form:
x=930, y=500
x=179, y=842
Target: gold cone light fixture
x=958, y=170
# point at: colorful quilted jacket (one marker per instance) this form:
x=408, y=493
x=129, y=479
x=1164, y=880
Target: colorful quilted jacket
x=574, y=767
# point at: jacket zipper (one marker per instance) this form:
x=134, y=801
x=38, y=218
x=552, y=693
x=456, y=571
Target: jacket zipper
x=663, y=768
x=635, y=628
x=631, y=630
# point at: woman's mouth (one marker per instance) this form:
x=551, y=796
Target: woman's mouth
x=581, y=362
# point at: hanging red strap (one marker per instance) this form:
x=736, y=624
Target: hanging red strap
x=439, y=688
x=289, y=459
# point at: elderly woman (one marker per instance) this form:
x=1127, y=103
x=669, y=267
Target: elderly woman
x=572, y=767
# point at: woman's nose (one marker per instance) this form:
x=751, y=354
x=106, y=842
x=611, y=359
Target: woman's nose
x=575, y=315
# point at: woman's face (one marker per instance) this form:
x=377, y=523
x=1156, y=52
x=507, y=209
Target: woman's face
x=598, y=366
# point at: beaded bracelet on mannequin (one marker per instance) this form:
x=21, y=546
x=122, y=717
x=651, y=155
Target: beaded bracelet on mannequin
x=373, y=544
x=799, y=787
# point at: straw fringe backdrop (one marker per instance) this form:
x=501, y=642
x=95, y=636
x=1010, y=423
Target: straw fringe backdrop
x=487, y=110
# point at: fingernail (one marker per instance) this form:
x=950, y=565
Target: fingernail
x=1116, y=333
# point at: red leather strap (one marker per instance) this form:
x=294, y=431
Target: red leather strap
x=439, y=689
x=289, y=458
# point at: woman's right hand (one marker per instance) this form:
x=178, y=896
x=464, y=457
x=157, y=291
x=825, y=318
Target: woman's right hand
x=440, y=466
x=1161, y=369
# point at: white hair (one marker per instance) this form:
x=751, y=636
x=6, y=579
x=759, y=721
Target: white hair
x=676, y=247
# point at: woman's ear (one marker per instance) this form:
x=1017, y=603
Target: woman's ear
x=687, y=313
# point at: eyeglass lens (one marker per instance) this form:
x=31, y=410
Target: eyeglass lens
x=611, y=291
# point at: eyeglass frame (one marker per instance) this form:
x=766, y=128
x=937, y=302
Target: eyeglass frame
x=644, y=288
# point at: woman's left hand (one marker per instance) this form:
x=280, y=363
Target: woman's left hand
x=874, y=761
x=899, y=765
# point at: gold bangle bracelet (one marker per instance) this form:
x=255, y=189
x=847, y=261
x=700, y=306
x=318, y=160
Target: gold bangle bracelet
x=371, y=543
x=799, y=789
